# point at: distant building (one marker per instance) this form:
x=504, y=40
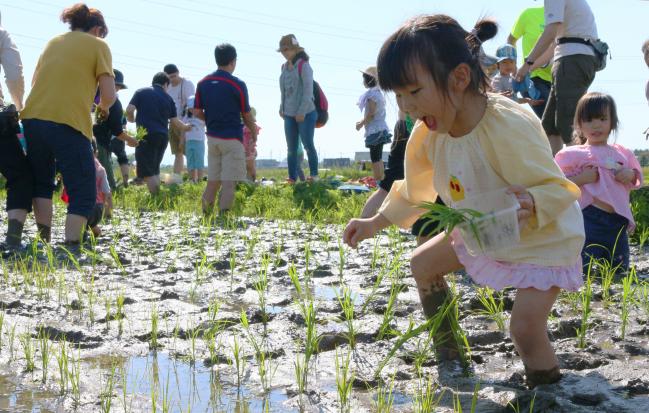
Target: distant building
x=365, y=156
x=267, y=163
x=336, y=163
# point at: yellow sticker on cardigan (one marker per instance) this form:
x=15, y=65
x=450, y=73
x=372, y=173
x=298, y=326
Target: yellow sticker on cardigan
x=457, y=190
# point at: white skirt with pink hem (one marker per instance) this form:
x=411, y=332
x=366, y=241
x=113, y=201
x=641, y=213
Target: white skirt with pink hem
x=500, y=274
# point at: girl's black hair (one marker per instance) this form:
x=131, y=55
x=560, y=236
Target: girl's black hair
x=369, y=81
x=300, y=55
x=439, y=44
x=591, y=106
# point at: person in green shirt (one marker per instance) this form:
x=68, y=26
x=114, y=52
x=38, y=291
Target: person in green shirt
x=529, y=27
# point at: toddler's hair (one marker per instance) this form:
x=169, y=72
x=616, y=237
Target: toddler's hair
x=593, y=105
x=439, y=44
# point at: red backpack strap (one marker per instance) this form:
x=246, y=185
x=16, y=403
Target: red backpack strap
x=300, y=63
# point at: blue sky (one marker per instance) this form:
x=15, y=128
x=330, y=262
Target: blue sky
x=341, y=37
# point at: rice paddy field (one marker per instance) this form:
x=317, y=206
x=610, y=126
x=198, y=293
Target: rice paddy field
x=266, y=311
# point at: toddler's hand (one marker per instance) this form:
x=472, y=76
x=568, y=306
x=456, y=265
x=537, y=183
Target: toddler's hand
x=589, y=175
x=359, y=125
x=526, y=211
x=625, y=176
x=357, y=230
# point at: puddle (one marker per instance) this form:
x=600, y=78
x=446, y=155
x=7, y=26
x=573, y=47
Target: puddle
x=184, y=387
x=15, y=398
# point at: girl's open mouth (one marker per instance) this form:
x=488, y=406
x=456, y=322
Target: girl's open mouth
x=430, y=122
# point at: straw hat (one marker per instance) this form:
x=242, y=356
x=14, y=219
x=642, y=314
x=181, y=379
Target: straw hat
x=372, y=71
x=289, y=41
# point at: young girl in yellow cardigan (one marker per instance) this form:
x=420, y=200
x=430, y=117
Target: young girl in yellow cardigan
x=468, y=142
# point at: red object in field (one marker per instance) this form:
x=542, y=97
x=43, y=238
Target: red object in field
x=368, y=181
x=64, y=196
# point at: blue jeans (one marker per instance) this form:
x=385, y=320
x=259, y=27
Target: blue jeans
x=606, y=238
x=52, y=146
x=304, y=131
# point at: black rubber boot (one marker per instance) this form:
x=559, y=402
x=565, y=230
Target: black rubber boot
x=45, y=232
x=14, y=233
x=446, y=348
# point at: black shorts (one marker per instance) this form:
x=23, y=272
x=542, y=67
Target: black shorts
x=376, y=152
x=425, y=227
x=149, y=154
x=55, y=146
x=118, y=147
x=15, y=168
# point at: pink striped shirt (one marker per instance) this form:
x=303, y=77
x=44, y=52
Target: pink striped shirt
x=607, y=159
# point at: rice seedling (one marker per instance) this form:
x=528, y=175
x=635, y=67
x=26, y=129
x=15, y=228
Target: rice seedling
x=62, y=361
x=585, y=298
x=120, y=314
x=344, y=381
x=140, y=133
x=12, y=338
x=431, y=325
x=44, y=347
x=2, y=322
x=447, y=218
x=127, y=405
x=106, y=395
x=425, y=399
x=238, y=359
x=372, y=293
x=628, y=292
x=492, y=307
x=347, y=304
x=643, y=297
x=118, y=261
x=386, y=329
x=233, y=266
x=642, y=235
x=265, y=368
x=307, y=257
x=384, y=396
x=74, y=375
x=153, y=342
x=28, y=351
x=193, y=335
x=342, y=257
x=90, y=287
x=261, y=285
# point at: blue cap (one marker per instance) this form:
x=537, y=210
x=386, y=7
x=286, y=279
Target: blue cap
x=506, y=52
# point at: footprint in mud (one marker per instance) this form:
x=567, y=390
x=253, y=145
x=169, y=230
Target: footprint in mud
x=576, y=361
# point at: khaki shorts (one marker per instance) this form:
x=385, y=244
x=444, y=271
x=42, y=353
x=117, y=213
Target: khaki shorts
x=226, y=160
x=571, y=77
x=177, y=147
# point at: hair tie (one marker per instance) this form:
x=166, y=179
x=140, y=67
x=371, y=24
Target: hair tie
x=474, y=34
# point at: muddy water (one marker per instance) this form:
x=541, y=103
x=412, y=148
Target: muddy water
x=174, y=270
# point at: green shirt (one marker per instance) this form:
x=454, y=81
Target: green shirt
x=529, y=26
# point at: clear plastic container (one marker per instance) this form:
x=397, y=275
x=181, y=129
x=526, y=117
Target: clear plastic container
x=497, y=229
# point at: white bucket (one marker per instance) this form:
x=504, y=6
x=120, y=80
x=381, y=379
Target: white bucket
x=497, y=229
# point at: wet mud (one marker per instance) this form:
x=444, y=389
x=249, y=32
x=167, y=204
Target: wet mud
x=153, y=314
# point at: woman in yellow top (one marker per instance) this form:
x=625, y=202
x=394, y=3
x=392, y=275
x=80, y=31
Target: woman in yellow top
x=468, y=143
x=57, y=120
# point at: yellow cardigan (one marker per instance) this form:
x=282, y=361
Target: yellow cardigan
x=517, y=149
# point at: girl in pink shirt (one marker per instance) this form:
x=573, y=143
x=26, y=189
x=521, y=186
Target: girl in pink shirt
x=606, y=174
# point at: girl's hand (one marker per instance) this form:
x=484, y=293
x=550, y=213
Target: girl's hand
x=526, y=211
x=359, y=125
x=589, y=175
x=625, y=176
x=299, y=118
x=359, y=229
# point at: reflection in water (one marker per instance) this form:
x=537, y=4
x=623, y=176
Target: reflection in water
x=181, y=386
x=15, y=398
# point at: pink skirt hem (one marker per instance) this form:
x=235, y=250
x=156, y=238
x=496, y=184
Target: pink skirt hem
x=486, y=271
